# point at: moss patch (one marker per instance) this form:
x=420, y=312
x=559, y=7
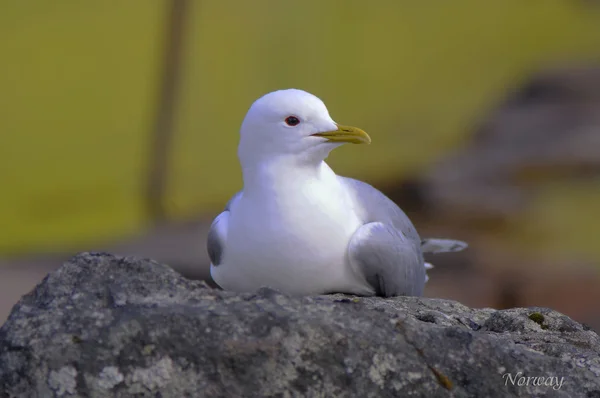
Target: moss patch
x=538, y=318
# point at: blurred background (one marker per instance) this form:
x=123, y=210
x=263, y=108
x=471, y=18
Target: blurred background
x=119, y=125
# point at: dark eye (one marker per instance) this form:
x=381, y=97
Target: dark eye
x=292, y=121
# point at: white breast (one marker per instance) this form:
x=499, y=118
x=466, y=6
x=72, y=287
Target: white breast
x=294, y=238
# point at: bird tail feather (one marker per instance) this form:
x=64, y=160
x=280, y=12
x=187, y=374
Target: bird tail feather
x=436, y=245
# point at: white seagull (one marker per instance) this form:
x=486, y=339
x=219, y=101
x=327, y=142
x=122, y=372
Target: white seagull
x=301, y=229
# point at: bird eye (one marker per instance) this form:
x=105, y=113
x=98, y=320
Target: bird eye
x=292, y=121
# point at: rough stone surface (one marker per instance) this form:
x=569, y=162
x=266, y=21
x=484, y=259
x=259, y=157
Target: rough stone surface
x=107, y=326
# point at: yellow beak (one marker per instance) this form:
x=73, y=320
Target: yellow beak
x=349, y=134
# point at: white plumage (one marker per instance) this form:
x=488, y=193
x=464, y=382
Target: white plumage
x=298, y=227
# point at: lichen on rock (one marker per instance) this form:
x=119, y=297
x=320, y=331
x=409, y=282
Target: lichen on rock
x=109, y=326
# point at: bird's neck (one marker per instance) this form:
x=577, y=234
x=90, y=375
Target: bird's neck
x=271, y=177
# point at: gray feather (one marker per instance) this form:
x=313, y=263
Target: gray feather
x=375, y=206
x=387, y=248
x=215, y=243
x=390, y=262
x=436, y=245
x=233, y=199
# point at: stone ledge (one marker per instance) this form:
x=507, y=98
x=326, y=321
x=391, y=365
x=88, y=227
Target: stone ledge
x=109, y=326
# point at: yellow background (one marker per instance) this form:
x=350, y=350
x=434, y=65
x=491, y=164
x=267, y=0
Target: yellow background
x=79, y=84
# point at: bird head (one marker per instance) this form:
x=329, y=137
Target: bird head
x=292, y=124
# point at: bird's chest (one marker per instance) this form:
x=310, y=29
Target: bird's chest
x=300, y=224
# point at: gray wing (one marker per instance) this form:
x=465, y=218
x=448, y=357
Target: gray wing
x=217, y=234
x=375, y=206
x=387, y=248
x=391, y=263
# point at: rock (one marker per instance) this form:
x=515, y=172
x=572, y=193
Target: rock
x=108, y=326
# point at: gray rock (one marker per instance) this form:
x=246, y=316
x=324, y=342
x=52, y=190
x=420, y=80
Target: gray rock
x=107, y=326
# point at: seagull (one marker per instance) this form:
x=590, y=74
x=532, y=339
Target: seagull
x=299, y=228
